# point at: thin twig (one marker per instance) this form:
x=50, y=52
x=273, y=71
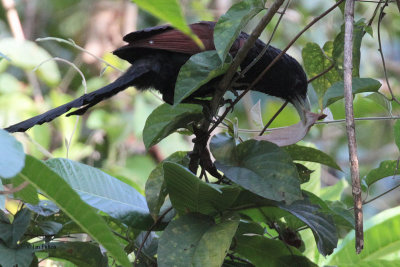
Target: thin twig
x=16, y=189
x=321, y=74
x=381, y=14
x=350, y=124
x=273, y=118
x=148, y=234
x=73, y=44
x=228, y=109
x=68, y=142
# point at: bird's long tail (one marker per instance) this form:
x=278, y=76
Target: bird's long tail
x=84, y=102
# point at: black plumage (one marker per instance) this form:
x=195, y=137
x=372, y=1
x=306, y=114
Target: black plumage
x=158, y=53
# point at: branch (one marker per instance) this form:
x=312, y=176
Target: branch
x=350, y=124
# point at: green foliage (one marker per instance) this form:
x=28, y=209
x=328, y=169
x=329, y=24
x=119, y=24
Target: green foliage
x=12, y=156
x=197, y=71
x=360, y=85
x=170, y=11
x=232, y=22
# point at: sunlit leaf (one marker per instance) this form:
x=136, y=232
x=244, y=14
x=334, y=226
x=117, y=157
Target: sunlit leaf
x=304, y=153
x=360, y=85
x=58, y=191
x=170, y=11
x=104, y=192
x=197, y=71
x=229, y=25
x=386, y=168
x=166, y=119
x=190, y=194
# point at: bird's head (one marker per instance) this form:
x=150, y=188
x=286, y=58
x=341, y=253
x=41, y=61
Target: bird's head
x=299, y=98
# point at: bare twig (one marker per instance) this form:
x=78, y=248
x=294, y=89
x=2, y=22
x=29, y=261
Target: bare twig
x=350, y=124
x=381, y=14
x=73, y=44
x=148, y=234
x=273, y=118
x=68, y=142
x=16, y=189
x=321, y=74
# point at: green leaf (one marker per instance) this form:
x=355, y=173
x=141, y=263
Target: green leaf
x=190, y=194
x=229, y=25
x=316, y=61
x=197, y=71
x=44, y=208
x=304, y=173
x=156, y=190
x=104, y=192
x=380, y=99
x=360, y=85
x=262, y=168
x=12, y=233
x=310, y=210
x=222, y=146
x=12, y=156
x=170, y=11
x=335, y=191
x=381, y=233
x=304, y=153
x=50, y=227
x=338, y=48
x=58, y=191
x=83, y=254
x=396, y=129
x=166, y=119
x=28, y=55
x=386, y=168
x=20, y=256
x=28, y=194
x=262, y=251
x=195, y=240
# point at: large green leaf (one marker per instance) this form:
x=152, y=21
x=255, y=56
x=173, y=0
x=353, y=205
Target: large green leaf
x=265, y=252
x=338, y=48
x=260, y=167
x=190, y=194
x=28, y=55
x=104, y=192
x=20, y=256
x=195, y=240
x=229, y=25
x=304, y=153
x=28, y=194
x=360, y=85
x=11, y=233
x=386, y=168
x=197, y=71
x=170, y=11
x=155, y=190
x=312, y=212
x=382, y=239
x=316, y=61
x=166, y=119
x=12, y=156
x=83, y=254
x=58, y=191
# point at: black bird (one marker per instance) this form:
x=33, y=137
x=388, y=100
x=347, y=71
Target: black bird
x=158, y=53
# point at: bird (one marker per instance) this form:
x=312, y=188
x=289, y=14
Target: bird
x=156, y=55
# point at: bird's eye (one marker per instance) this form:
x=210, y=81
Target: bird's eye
x=151, y=42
